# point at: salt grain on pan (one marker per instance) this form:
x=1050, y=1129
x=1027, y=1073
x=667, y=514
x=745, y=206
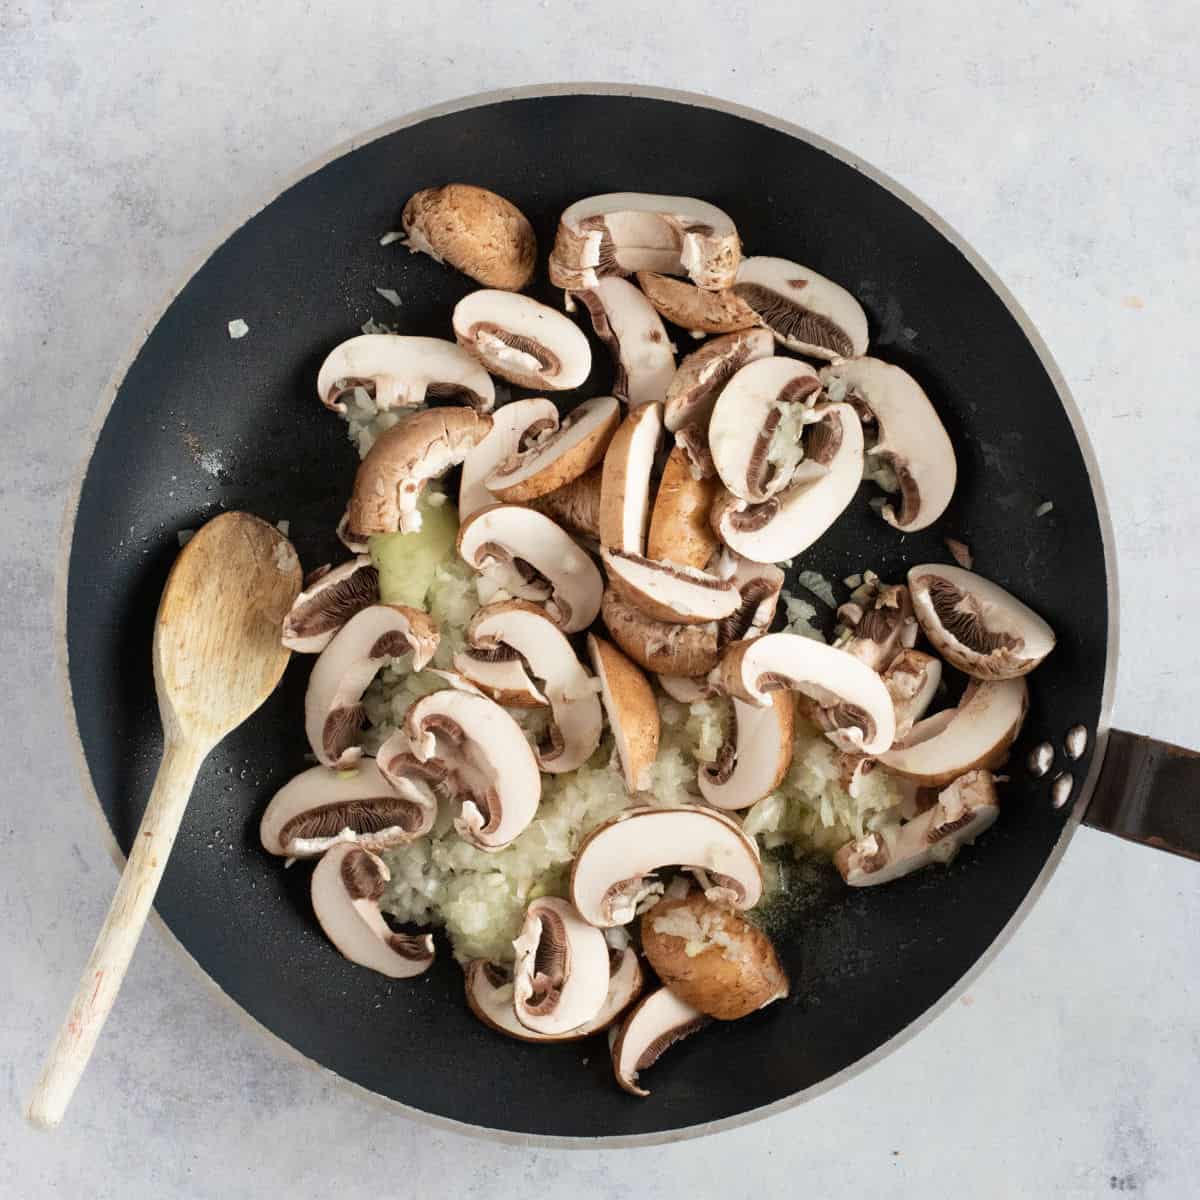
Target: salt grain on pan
x=390, y=295
x=1043, y=508
x=238, y=328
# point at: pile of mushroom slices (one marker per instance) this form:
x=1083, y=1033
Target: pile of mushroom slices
x=634, y=541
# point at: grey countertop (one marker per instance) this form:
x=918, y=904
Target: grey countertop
x=1061, y=141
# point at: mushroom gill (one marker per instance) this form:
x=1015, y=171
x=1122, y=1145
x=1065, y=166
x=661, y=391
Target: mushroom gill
x=793, y=321
x=962, y=617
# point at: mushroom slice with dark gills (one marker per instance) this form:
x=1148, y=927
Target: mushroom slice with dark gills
x=322, y=807
x=863, y=719
x=395, y=371
x=330, y=598
x=527, y=343
x=755, y=435
x=515, y=427
x=623, y=232
x=669, y=591
x=805, y=311
x=643, y=357
x=975, y=624
x=616, y=864
x=527, y=555
x=752, y=762
x=347, y=885
x=910, y=437
x=561, y=974
x=698, y=381
x=372, y=638
x=471, y=751
x=576, y=720
x=695, y=309
x=660, y=646
x=883, y=625
x=759, y=587
x=653, y=1026
x=793, y=519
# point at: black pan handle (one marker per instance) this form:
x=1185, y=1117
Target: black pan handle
x=1148, y=792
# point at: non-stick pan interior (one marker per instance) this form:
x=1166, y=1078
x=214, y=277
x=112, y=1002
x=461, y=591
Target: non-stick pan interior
x=204, y=422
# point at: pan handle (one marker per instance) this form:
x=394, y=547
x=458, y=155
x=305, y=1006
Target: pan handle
x=1148, y=792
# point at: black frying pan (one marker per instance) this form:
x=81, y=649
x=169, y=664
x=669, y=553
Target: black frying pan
x=200, y=422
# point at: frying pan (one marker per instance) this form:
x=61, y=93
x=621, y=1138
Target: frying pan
x=197, y=422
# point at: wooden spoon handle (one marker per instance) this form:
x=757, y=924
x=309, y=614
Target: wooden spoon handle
x=119, y=936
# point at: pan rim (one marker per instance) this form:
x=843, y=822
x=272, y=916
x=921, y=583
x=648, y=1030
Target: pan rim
x=697, y=100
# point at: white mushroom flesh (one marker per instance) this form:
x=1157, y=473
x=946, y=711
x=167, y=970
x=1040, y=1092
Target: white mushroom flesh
x=515, y=427
x=669, y=591
x=753, y=762
x=633, y=331
x=654, y=1025
x=625, y=480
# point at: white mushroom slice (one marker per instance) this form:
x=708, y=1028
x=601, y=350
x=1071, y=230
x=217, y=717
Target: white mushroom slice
x=669, y=591
x=403, y=372
x=560, y=977
x=333, y=712
x=532, y=558
x=910, y=436
x=625, y=480
x=346, y=888
x=660, y=646
x=759, y=587
x=695, y=309
x=500, y=674
x=790, y=522
x=473, y=751
x=698, y=382
x=864, y=721
x=490, y=997
x=975, y=624
x=320, y=808
x=884, y=628
x=515, y=427
x=576, y=725
x=804, y=310
x=652, y=1027
x=614, y=867
x=623, y=232
x=679, y=528
x=576, y=505
x=963, y=811
x=912, y=679
x=688, y=689
x=643, y=357
x=978, y=733
x=330, y=598
x=390, y=479
x=631, y=709
x=757, y=424
x=556, y=458
x=527, y=343
x=753, y=762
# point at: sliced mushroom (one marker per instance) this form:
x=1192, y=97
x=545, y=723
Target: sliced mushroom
x=653, y=1026
x=560, y=978
x=753, y=761
x=333, y=711
x=884, y=628
x=499, y=673
x=711, y=958
x=614, y=867
x=631, y=709
x=976, y=625
x=978, y=733
x=556, y=458
x=476, y=231
x=625, y=479
x=421, y=447
x=575, y=506
x=403, y=372
x=527, y=343
x=471, y=751
x=912, y=680
x=659, y=646
x=864, y=721
x=688, y=689
x=623, y=232
x=696, y=309
x=574, y=732
x=533, y=559
x=330, y=598
x=693, y=441
x=963, y=811
x=347, y=885
x=910, y=436
x=700, y=377
x=515, y=427
x=805, y=311
x=320, y=808
x=490, y=997
x=643, y=356
x=791, y=521
x=668, y=591
x=679, y=528
x=759, y=587
x=757, y=425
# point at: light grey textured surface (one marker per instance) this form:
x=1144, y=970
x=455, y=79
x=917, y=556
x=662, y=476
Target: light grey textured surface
x=1060, y=139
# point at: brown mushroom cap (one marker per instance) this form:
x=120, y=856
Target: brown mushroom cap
x=679, y=525
x=659, y=646
x=631, y=709
x=693, y=308
x=576, y=505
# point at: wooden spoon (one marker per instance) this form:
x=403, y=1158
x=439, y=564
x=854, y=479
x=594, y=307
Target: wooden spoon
x=217, y=657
